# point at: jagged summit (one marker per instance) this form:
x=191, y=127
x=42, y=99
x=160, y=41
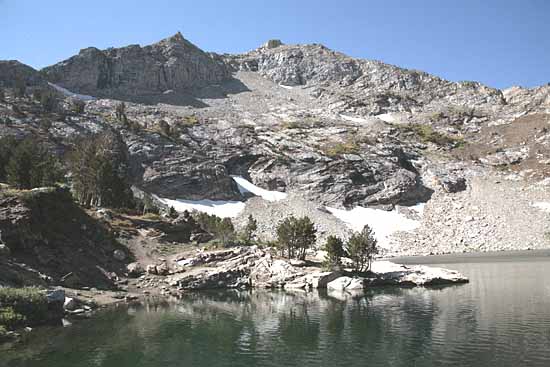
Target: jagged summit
x=133, y=72
x=175, y=41
x=272, y=43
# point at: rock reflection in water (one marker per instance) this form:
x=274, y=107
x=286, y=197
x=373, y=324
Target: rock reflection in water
x=489, y=322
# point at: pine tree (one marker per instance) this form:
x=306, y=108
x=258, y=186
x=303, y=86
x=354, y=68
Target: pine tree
x=295, y=236
x=78, y=106
x=19, y=171
x=251, y=227
x=30, y=165
x=100, y=171
x=335, y=250
x=226, y=231
x=362, y=248
x=148, y=204
x=120, y=112
x=172, y=213
x=164, y=128
x=7, y=146
x=20, y=87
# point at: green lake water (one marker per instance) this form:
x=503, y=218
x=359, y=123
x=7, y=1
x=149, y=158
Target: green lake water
x=501, y=318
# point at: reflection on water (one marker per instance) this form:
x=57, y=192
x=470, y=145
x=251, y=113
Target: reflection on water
x=501, y=318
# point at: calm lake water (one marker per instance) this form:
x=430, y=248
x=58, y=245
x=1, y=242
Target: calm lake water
x=501, y=318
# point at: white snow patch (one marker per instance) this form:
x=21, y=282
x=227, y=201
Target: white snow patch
x=544, y=206
x=387, y=117
x=68, y=93
x=247, y=186
x=383, y=223
x=419, y=208
x=286, y=86
x=221, y=208
x=353, y=118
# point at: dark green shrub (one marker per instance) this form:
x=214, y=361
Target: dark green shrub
x=164, y=128
x=250, y=229
x=78, y=106
x=428, y=135
x=172, y=213
x=22, y=306
x=48, y=101
x=120, y=112
x=20, y=87
x=221, y=229
x=11, y=319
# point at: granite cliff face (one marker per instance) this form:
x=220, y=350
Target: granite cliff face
x=169, y=66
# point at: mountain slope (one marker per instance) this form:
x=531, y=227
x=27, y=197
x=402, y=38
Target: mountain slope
x=325, y=128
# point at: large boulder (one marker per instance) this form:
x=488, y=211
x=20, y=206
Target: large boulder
x=347, y=283
x=321, y=279
x=119, y=255
x=273, y=273
x=135, y=270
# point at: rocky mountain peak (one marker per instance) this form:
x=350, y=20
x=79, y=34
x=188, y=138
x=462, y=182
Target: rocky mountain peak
x=272, y=43
x=141, y=74
x=177, y=41
x=11, y=71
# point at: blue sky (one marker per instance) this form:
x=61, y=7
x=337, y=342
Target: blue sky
x=498, y=42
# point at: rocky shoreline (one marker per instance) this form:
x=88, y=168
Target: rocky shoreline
x=252, y=267
x=238, y=268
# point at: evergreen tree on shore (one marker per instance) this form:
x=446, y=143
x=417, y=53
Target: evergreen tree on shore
x=362, y=248
x=295, y=236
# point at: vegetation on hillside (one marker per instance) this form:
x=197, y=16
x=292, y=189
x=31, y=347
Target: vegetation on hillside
x=221, y=228
x=99, y=169
x=27, y=163
x=427, y=134
x=22, y=306
x=250, y=228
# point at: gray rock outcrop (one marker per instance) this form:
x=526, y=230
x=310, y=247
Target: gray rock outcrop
x=173, y=64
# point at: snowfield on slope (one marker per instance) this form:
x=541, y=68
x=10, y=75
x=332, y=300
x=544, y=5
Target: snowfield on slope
x=544, y=206
x=383, y=223
x=354, y=118
x=221, y=208
x=248, y=187
x=224, y=208
x=68, y=93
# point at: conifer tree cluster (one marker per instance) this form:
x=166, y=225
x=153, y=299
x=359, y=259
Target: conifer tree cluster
x=360, y=248
x=295, y=236
x=99, y=167
x=27, y=163
x=220, y=228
